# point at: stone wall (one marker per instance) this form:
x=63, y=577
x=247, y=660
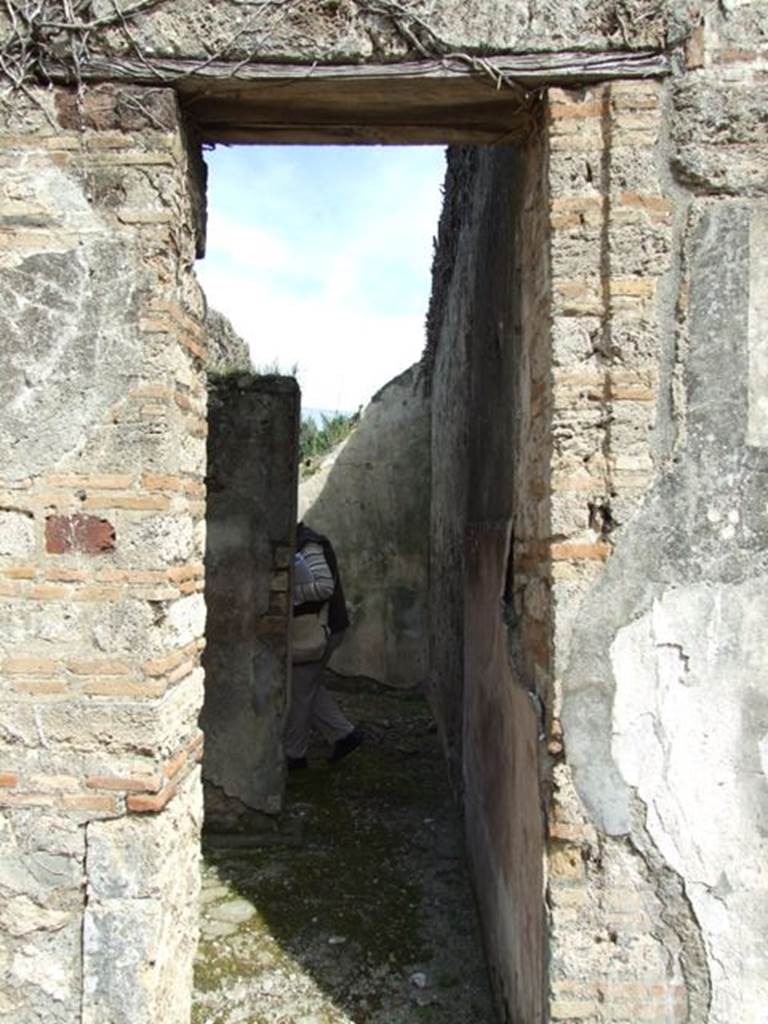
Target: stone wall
x=226, y=350
x=103, y=429
x=352, y=31
x=638, y=550
x=655, y=559
x=372, y=499
x=634, y=507
x=251, y=523
x=660, y=673
x=486, y=325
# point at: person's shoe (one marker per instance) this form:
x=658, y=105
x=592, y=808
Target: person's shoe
x=296, y=764
x=346, y=745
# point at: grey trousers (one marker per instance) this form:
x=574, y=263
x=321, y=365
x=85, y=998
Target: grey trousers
x=312, y=706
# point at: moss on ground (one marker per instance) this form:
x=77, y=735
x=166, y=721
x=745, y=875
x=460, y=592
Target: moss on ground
x=346, y=914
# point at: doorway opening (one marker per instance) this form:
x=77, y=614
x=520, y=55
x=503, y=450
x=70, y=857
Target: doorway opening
x=332, y=893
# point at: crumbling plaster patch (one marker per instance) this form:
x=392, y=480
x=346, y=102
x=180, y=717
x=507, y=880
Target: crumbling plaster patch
x=688, y=737
x=667, y=651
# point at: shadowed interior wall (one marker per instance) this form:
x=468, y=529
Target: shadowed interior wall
x=251, y=524
x=480, y=393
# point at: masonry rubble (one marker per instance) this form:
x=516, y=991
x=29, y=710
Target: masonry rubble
x=597, y=358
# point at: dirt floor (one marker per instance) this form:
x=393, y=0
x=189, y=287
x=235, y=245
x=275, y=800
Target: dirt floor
x=357, y=907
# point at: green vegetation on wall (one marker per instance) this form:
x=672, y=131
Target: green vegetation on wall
x=316, y=441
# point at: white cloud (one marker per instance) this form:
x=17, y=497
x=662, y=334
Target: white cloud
x=323, y=266
x=344, y=353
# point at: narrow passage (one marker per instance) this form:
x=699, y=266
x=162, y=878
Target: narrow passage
x=358, y=908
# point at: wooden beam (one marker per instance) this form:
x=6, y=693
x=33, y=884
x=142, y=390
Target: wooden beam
x=525, y=69
x=458, y=98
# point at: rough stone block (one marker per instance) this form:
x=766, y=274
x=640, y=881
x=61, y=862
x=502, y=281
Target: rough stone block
x=141, y=921
x=17, y=533
x=150, y=727
x=716, y=129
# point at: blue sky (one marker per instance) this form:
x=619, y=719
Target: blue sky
x=321, y=256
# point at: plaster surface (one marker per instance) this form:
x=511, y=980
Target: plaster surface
x=372, y=500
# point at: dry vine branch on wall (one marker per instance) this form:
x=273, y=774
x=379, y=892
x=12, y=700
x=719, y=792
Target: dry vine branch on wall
x=51, y=39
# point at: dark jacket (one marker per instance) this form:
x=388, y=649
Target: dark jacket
x=338, y=619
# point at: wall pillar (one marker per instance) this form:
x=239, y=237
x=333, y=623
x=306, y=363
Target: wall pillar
x=102, y=615
x=252, y=490
x=659, y=548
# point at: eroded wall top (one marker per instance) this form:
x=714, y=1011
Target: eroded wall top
x=340, y=31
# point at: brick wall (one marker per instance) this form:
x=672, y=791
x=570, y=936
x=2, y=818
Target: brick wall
x=613, y=955
x=103, y=427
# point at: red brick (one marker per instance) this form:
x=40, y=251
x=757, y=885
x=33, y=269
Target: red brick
x=29, y=666
x=100, y=667
x=195, y=748
x=174, y=765
x=99, y=802
x=78, y=532
x=564, y=551
x=125, y=783
x=159, y=666
x=47, y=592
x=20, y=572
x=26, y=800
x=143, y=803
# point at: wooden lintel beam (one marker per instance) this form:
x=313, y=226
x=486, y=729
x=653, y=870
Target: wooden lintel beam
x=244, y=133
x=523, y=69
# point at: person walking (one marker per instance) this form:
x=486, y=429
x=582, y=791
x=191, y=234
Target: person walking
x=318, y=599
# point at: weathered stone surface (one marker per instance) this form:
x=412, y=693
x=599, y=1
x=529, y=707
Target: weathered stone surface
x=352, y=30
x=76, y=311
x=140, y=925
x=226, y=349
x=372, y=500
x=676, y=669
x=628, y=381
x=234, y=911
x=158, y=726
x=671, y=646
x=757, y=329
x=41, y=870
x=480, y=335
x=17, y=533
x=252, y=470
x=104, y=108
x=720, y=133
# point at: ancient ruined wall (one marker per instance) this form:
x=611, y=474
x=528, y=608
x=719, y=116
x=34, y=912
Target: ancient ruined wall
x=102, y=421
x=638, y=545
x=447, y=369
x=226, y=350
x=378, y=30
x=652, y=546
x=251, y=521
x=373, y=501
x=612, y=949
x=486, y=320
x=659, y=341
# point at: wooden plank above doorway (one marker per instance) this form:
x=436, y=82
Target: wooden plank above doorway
x=458, y=98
